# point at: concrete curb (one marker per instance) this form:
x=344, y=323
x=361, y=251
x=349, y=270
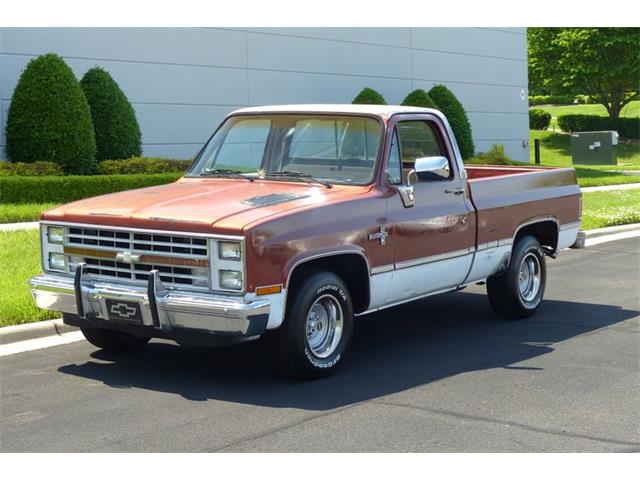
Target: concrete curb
x=598, y=232
x=30, y=331
x=585, y=235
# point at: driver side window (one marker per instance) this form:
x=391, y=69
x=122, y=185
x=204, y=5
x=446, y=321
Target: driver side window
x=417, y=139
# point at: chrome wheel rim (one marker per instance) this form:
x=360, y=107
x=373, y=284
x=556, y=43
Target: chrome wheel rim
x=324, y=326
x=529, y=277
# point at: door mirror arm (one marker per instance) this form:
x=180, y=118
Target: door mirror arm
x=407, y=194
x=425, y=168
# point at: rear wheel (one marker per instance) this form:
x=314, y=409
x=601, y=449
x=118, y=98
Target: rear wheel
x=112, y=340
x=317, y=329
x=517, y=292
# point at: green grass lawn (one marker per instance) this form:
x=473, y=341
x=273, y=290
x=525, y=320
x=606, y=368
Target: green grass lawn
x=19, y=260
x=23, y=212
x=555, y=150
x=615, y=207
x=632, y=109
x=20, y=252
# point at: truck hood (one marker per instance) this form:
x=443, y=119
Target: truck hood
x=212, y=205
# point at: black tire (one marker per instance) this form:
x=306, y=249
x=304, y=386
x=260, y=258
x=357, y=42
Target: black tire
x=112, y=340
x=288, y=346
x=504, y=292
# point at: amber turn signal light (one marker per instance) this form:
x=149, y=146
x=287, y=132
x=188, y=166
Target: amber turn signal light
x=270, y=290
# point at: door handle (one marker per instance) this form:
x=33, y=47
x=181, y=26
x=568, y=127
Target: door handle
x=455, y=191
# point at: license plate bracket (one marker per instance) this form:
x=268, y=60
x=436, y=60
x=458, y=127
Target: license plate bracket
x=124, y=311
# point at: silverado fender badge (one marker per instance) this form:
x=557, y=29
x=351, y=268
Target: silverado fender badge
x=381, y=235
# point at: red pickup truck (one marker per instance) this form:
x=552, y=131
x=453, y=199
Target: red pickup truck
x=294, y=219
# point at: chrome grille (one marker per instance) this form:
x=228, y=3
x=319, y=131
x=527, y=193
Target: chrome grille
x=157, y=246
x=137, y=242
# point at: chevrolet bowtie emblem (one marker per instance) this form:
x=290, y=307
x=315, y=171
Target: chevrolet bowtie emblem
x=127, y=257
x=380, y=235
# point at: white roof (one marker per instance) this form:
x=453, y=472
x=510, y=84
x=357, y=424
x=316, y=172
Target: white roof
x=379, y=110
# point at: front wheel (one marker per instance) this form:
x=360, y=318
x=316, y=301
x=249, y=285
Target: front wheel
x=517, y=292
x=317, y=329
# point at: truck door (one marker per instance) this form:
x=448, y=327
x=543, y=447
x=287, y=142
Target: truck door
x=433, y=241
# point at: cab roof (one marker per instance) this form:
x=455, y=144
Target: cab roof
x=377, y=110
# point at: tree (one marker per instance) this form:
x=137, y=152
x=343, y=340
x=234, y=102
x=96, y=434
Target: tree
x=49, y=117
x=114, y=120
x=419, y=98
x=368, y=96
x=451, y=107
x=601, y=62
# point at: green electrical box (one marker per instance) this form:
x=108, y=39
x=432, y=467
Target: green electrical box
x=594, y=148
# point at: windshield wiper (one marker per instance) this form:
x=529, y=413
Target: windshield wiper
x=302, y=177
x=225, y=172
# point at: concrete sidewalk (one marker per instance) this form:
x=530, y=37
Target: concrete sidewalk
x=8, y=227
x=605, y=188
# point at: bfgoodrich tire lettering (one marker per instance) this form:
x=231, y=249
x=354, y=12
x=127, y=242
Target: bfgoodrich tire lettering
x=316, y=331
x=517, y=292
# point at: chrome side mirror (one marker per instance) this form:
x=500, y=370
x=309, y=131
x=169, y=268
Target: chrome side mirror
x=425, y=168
x=431, y=168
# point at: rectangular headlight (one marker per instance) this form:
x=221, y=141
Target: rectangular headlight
x=231, y=279
x=57, y=261
x=229, y=251
x=55, y=234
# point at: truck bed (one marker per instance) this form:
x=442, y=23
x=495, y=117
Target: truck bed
x=505, y=197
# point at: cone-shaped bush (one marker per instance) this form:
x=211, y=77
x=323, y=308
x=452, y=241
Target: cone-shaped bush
x=49, y=117
x=368, y=96
x=419, y=98
x=114, y=120
x=454, y=111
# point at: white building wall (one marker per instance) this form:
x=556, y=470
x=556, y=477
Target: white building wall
x=182, y=82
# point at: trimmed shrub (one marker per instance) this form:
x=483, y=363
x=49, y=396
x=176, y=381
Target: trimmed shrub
x=585, y=99
x=626, y=127
x=114, y=120
x=495, y=156
x=368, y=96
x=539, y=119
x=74, y=187
x=49, y=117
x=419, y=98
x=454, y=111
x=551, y=100
x=142, y=165
x=35, y=169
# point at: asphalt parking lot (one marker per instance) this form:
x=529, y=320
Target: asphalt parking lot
x=437, y=375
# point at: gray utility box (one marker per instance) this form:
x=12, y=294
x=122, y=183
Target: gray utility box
x=594, y=148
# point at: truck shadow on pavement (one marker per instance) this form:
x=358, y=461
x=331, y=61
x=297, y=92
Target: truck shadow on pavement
x=392, y=351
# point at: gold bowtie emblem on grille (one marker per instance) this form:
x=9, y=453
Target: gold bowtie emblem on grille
x=127, y=257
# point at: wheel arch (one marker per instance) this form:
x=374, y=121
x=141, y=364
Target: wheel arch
x=546, y=230
x=351, y=266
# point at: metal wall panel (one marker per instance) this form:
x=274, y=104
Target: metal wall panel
x=182, y=81
x=182, y=46
x=470, y=41
x=276, y=52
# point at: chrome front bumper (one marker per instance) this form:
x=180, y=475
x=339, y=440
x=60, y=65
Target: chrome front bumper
x=162, y=309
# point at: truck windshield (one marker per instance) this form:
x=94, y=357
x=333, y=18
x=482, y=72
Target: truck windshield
x=335, y=149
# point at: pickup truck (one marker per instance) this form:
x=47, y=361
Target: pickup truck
x=291, y=221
